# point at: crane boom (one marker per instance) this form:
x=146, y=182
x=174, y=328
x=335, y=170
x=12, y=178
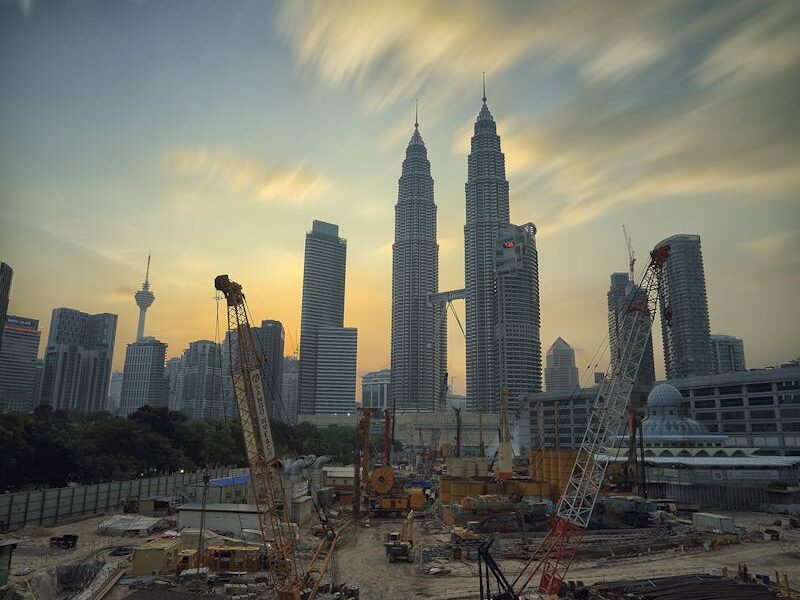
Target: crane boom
x=263, y=463
x=555, y=554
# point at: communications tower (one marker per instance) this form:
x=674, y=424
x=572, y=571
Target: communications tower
x=144, y=299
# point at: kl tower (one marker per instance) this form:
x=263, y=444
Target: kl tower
x=144, y=298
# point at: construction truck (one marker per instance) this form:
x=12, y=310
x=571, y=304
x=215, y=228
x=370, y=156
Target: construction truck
x=400, y=544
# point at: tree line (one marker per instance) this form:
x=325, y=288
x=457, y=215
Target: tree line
x=51, y=448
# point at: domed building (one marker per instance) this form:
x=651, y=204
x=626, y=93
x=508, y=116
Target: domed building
x=669, y=431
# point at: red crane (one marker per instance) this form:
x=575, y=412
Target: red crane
x=554, y=556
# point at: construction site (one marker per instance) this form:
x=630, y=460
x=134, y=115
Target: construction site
x=444, y=519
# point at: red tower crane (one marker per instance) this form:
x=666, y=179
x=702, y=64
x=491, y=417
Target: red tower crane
x=554, y=556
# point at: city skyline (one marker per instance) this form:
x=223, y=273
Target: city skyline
x=156, y=175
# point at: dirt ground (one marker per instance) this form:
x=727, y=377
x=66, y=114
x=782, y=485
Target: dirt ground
x=363, y=562
x=34, y=552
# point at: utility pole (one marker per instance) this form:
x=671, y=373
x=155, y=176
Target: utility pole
x=200, y=545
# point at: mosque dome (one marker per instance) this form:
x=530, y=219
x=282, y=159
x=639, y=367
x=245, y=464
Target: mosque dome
x=666, y=416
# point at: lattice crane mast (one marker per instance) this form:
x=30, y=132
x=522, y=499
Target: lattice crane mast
x=554, y=556
x=262, y=460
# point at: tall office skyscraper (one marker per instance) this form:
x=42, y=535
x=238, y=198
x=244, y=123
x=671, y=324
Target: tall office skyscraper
x=270, y=336
x=174, y=377
x=6, y=274
x=419, y=342
x=323, y=302
x=144, y=299
x=336, y=370
x=685, y=327
x=291, y=368
x=561, y=374
x=115, y=392
x=77, y=360
x=728, y=353
x=143, y=381
x=18, y=363
x=620, y=295
x=487, y=211
x=201, y=381
x=517, y=318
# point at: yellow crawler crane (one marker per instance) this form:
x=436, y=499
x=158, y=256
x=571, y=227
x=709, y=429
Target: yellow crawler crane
x=289, y=580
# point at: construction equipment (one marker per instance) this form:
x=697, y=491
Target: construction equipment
x=457, y=451
x=384, y=494
x=505, y=458
x=262, y=460
x=400, y=544
x=554, y=556
x=486, y=567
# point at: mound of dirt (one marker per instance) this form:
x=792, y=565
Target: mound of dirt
x=33, y=531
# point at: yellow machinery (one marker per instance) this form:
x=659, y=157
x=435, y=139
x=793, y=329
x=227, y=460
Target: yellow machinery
x=385, y=495
x=400, y=545
x=265, y=476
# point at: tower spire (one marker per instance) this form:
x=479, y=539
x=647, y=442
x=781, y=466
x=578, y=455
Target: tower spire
x=144, y=299
x=484, y=86
x=416, y=114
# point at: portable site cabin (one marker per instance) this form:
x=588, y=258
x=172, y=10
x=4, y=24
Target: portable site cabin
x=156, y=557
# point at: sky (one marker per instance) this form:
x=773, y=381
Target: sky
x=213, y=133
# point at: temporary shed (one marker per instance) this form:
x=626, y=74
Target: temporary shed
x=156, y=557
x=227, y=519
x=136, y=525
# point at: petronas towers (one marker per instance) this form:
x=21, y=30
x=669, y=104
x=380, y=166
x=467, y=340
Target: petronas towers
x=419, y=342
x=501, y=285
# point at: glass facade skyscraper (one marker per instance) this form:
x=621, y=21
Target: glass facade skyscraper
x=685, y=327
x=419, y=330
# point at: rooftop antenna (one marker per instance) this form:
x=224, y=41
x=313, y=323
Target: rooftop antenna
x=147, y=273
x=416, y=113
x=631, y=254
x=484, y=86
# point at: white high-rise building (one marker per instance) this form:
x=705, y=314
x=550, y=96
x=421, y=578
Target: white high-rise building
x=143, y=382
x=487, y=212
x=419, y=342
x=561, y=374
x=517, y=317
x=728, y=353
x=174, y=377
x=115, y=392
x=291, y=370
x=685, y=327
x=323, y=302
x=77, y=360
x=336, y=370
x=270, y=337
x=201, y=381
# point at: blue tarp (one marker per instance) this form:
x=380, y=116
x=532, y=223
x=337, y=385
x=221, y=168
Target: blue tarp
x=229, y=481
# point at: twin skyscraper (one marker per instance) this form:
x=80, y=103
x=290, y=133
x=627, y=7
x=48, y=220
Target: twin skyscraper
x=501, y=285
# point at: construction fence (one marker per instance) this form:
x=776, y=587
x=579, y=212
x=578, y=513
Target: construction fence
x=57, y=505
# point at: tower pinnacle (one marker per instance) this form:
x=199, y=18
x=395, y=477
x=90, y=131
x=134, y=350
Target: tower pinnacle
x=484, y=86
x=416, y=113
x=144, y=299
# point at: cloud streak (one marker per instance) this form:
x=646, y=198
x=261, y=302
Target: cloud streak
x=265, y=182
x=391, y=50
